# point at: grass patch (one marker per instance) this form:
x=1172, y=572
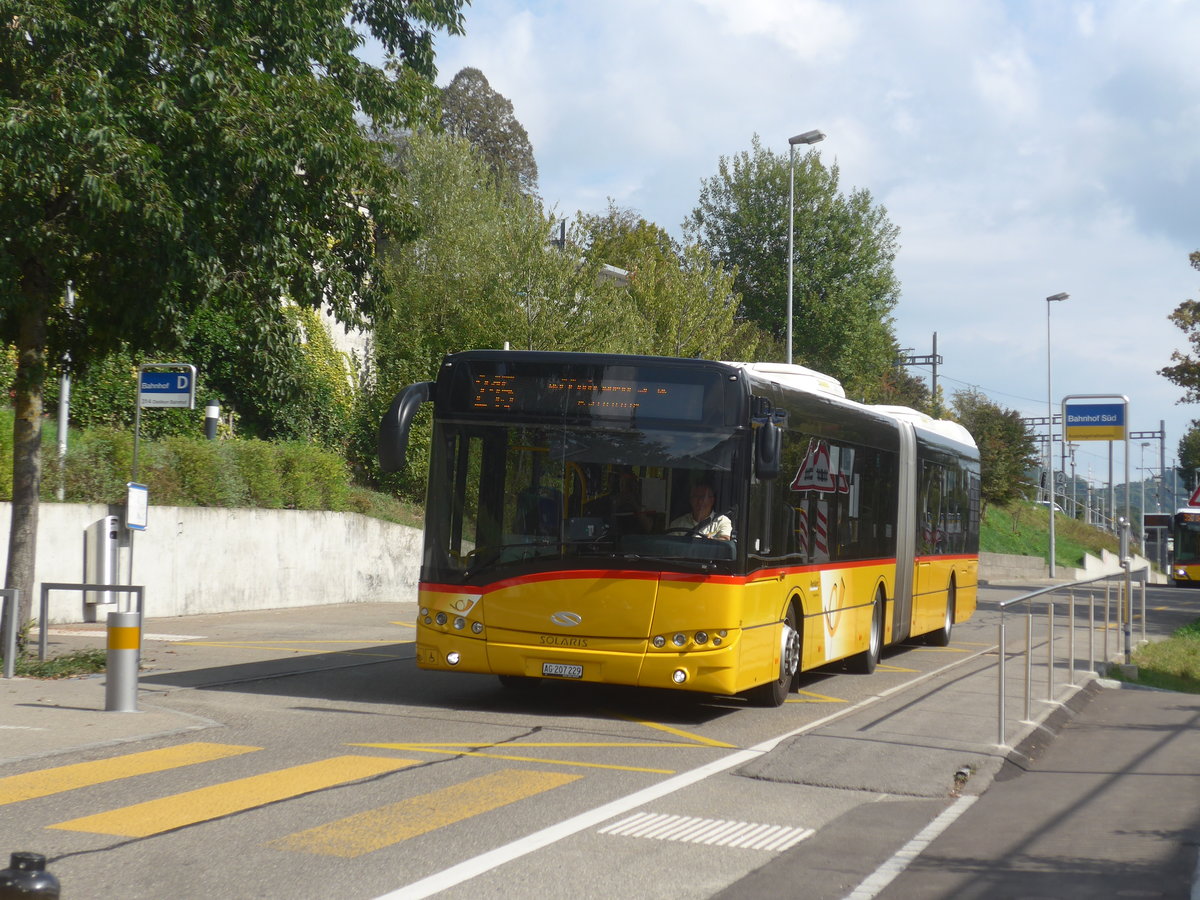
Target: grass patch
x=1023, y=529
x=69, y=665
x=1172, y=664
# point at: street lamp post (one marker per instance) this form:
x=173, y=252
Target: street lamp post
x=809, y=137
x=1050, y=424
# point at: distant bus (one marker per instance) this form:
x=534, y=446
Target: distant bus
x=561, y=541
x=1185, y=534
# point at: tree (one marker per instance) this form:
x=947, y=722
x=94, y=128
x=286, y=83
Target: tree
x=688, y=305
x=1186, y=371
x=844, y=285
x=168, y=158
x=1189, y=456
x=480, y=272
x=1006, y=448
x=471, y=109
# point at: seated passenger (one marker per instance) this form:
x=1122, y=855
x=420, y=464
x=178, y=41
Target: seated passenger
x=703, y=520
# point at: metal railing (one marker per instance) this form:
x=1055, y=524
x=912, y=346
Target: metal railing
x=139, y=591
x=1120, y=584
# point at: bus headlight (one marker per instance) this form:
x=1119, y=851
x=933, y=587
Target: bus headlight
x=460, y=623
x=679, y=676
x=679, y=640
x=452, y=657
x=659, y=641
x=701, y=637
x=477, y=627
x=440, y=618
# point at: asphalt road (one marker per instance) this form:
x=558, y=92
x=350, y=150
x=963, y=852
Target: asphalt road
x=318, y=761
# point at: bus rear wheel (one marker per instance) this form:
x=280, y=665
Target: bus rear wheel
x=941, y=637
x=774, y=693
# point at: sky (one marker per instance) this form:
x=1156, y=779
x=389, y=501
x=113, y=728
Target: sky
x=1022, y=148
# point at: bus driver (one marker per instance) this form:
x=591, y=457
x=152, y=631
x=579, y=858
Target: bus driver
x=703, y=520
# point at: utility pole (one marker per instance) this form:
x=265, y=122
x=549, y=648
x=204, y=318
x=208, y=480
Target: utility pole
x=931, y=359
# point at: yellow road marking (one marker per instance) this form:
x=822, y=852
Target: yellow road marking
x=404, y=624
x=884, y=667
x=697, y=738
x=205, y=804
x=528, y=759
x=816, y=698
x=433, y=748
x=940, y=650
x=46, y=782
x=396, y=822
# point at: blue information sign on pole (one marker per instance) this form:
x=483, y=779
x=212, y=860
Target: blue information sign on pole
x=167, y=389
x=1094, y=422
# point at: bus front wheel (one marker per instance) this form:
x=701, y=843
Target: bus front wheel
x=774, y=693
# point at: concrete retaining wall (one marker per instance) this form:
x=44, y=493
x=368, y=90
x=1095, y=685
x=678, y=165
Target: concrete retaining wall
x=195, y=560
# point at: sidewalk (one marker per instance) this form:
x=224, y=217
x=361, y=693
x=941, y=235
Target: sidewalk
x=1110, y=808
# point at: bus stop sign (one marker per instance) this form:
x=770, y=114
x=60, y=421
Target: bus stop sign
x=167, y=389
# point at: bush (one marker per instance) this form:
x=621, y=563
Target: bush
x=206, y=473
x=313, y=478
x=258, y=464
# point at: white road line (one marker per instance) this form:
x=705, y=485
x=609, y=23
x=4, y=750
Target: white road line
x=485, y=862
x=887, y=873
x=67, y=632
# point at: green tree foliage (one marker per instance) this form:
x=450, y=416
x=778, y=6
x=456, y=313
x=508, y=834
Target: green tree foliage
x=1189, y=456
x=1006, y=448
x=170, y=157
x=687, y=304
x=899, y=387
x=845, y=287
x=473, y=110
x=1186, y=369
x=480, y=273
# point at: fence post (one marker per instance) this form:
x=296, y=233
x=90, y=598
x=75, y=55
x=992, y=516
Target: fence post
x=1000, y=739
x=1050, y=649
x=12, y=603
x=1071, y=638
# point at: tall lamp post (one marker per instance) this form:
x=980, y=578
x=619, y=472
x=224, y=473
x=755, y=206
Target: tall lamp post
x=809, y=137
x=1050, y=424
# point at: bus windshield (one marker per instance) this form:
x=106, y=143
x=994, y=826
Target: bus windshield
x=519, y=497
x=1187, y=537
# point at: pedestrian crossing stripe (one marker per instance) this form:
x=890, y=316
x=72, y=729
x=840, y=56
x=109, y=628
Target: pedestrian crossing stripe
x=711, y=832
x=387, y=825
x=46, y=782
x=216, y=801
x=440, y=748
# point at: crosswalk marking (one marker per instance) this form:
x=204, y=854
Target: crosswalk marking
x=46, y=782
x=396, y=822
x=508, y=757
x=714, y=832
x=205, y=804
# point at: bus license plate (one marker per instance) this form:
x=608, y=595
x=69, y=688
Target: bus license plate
x=558, y=670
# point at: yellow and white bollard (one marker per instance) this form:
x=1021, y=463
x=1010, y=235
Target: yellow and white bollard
x=124, y=657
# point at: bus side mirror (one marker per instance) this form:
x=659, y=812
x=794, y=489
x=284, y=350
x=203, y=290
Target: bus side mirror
x=768, y=446
x=393, y=430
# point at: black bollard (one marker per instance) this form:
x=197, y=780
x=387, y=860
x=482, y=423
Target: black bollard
x=26, y=878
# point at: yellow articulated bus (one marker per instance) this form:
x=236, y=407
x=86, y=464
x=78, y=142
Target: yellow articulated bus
x=1185, y=537
x=679, y=523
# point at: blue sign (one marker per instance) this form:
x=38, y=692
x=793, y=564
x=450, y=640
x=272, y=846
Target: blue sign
x=1095, y=422
x=166, y=389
